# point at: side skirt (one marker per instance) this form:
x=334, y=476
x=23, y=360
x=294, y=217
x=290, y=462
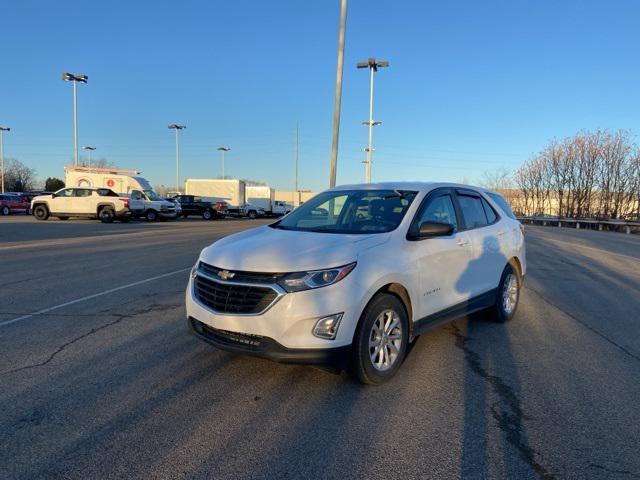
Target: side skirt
x=447, y=315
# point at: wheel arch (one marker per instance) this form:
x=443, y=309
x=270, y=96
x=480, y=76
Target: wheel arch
x=399, y=291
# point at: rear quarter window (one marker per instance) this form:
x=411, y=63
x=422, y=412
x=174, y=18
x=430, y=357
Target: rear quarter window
x=503, y=204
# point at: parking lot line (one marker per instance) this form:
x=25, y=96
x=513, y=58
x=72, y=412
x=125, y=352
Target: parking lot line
x=95, y=295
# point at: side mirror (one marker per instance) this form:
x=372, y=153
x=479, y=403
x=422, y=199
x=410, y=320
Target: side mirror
x=434, y=229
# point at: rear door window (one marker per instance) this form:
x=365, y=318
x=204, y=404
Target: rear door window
x=489, y=212
x=472, y=211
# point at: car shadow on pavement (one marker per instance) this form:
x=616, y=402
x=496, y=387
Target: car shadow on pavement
x=491, y=387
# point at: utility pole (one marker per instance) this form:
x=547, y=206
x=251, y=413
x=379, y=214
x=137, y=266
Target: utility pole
x=2, y=130
x=295, y=171
x=338, y=96
x=177, y=128
x=222, y=151
x=373, y=66
x=75, y=78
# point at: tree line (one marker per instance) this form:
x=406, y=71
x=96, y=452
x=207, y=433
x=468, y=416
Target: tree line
x=588, y=175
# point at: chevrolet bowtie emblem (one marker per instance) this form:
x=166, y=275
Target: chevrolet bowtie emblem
x=226, y=274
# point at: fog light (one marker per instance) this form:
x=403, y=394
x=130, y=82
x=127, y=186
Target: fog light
x=327, y=327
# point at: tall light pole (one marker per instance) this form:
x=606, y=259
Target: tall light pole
x=373, y=66
x=89, y=149
x=2, y=130
x=222, y=151
x=297, y=158
x=338, y=96
x=75, y=78
x=177, y=128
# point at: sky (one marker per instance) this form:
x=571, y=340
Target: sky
x=472, y=86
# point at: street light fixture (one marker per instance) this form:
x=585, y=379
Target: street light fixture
x=372, y=64
x=222, y=151
x=2, y=130
x=71, y=77
x=90, y=149
x=177, y=128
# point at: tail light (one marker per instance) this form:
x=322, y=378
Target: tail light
x=126, y=202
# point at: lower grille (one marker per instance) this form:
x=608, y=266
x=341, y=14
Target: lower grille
x=233, y=298
x=226, y=337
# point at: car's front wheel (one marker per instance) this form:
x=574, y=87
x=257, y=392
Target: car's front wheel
x=5, y=210
x=508, y=295
x=41, y=212
x=152, y=215
x=381, y=339
x=207, y=214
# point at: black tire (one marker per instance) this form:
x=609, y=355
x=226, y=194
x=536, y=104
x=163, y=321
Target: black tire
x=208, y=214
x=63, y=218
x=152, y=215
x=252, y=214
x=5, y=210
x=41, y=212
x=106, y=215
x=362, y=365
x=504, y=311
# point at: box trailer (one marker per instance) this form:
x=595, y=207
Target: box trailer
x=263, y=196
x=230, y=191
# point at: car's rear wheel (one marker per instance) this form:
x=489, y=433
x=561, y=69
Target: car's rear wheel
x=380, y=342
x=152, y=215
x=41, y=212
x=106, y=215
x=5, y=210
x=508, y=295
x=252, y=214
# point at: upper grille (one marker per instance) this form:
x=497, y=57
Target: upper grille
x=232, y=298
x=239, y=276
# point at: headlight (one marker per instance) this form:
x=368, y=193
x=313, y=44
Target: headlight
x=295, y=282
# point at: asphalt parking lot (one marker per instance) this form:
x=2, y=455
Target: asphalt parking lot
x=104, y=381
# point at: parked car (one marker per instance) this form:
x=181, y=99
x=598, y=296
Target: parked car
x=101, y=203
x=14, y=203
x=353, y=276
x=193, y=205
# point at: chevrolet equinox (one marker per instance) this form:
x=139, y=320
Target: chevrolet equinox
x=351, y=277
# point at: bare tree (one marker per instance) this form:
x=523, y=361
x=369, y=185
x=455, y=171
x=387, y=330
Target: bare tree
x=17, y=176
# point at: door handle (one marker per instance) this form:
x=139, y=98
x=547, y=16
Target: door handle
x=462, y=243
x=500, y=232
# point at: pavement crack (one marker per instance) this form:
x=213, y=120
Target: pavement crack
x=61, y=348
x=584, y=324
x=509, y=419
x=612, y=470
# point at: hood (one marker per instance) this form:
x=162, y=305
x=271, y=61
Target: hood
x=266, y=249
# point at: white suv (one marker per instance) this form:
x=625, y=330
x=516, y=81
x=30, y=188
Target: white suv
x=352, y=276
x=101, y=203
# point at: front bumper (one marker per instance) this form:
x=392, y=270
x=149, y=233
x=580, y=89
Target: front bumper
x=290, y=319
x=167, y=215
x=336, y=358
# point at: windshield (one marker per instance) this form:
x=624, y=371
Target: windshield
x=350, y=211
x=152, y=195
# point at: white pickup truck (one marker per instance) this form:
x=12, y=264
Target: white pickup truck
x=148, y=204
x=101, y=203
